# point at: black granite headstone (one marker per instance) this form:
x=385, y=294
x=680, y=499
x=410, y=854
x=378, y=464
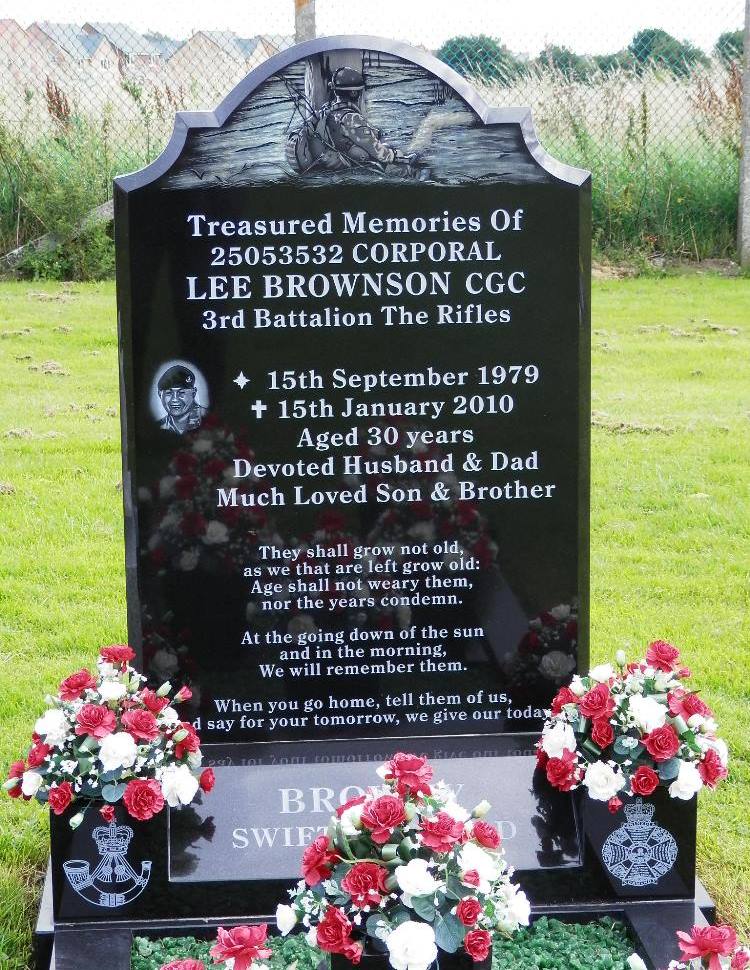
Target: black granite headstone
x=355, y=340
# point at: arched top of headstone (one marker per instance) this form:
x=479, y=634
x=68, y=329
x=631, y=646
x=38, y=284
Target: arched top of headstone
x=352, y=109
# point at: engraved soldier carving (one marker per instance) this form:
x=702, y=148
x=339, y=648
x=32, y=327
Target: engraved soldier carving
x=178, y=394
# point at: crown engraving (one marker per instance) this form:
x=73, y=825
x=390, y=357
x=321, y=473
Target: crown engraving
x=640, y=815
x=112, y=882
x=113, y=839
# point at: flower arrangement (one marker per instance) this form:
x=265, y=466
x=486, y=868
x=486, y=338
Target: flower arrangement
x=106, y=736
x=630, y=729
x=712, y=948
x=407, y=870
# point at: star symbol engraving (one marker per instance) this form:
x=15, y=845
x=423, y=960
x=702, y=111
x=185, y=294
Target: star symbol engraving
x=240, y=380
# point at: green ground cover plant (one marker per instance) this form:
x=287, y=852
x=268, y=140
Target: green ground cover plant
x=670, y=524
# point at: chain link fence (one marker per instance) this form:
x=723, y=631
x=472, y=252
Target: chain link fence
x=649, y=100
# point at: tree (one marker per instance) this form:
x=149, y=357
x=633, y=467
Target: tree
x=481, y=57
x=572, y=66
x=657, y=47
x=730, y=46
x=620, y=61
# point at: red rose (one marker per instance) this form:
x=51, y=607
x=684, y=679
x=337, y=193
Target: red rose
x=382, y=816
x=441, y=832
x=563, y=772
x=564, y=696
x=597, y=702
x=95, y=720
x=60, y=796
x=662, y=743
x=72, y=687
x=207, y=780
x=118, y=653
x=468, y=910
x=410, y=772
x=152, y=700
x=684, y=703
x=37, y=753
x=357, y=800
x=644, y=781
x=189, y=744
x=711, y=768
x=485, y=834
x=662, y=655
x=243, y=944
x=470, y=878
x=16, y=770
x=317, y=861
x=188, y=964
x=602, y=733
x=365, y=883
x=541, y=757
x=143, y=798
x=140, y=724
x=708, y=941
x=333, y=935
x=477, y=944
x=107, y=812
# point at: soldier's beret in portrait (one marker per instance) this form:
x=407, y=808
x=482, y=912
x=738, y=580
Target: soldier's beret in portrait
x=177, y=376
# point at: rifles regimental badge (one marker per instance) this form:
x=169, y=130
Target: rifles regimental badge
x=640, y=852
x=113, y=882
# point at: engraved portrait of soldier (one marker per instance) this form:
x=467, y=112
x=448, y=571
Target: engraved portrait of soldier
x=182, y=410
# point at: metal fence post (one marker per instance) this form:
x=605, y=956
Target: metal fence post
x=743, y=222
x=304, y=20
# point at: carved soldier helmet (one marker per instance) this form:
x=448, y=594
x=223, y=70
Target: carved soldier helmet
x=176, y=376
x=347, y=80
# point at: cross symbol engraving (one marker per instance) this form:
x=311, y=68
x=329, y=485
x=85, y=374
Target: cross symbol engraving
x=258, y=407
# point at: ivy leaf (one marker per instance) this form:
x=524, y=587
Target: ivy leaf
x=449, y=933
x=424, y=907
x=113, y=793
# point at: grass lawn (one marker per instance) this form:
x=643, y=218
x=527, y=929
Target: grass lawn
x=671, y=439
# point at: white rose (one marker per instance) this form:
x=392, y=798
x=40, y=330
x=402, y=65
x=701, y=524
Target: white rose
x=168, y=716
x=603, y=781
x=415, y=879
x=602, y=673
x=30, y=783
x=519, y=909
x=456, y=811
x=188, y=560
x=164, y=663
x=647, y=713
x=178, y=785
x=118, y=750
x=286, y=918
x=473, y=857
x=561, y=612
x=53, y=727
x=312, y=936
x=202, y=446
x=111, y=690
x=635, y=963
x=687, y=783
x=166, y=486
x=558, y=739
x=556, y=664
x=577, y=686
x=216, y=533
x=411, y=946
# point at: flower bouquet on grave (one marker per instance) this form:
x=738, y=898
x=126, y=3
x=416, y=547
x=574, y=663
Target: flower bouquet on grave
x=711, y=948
x=627, y=730
x=406, y=877
x=107, y=738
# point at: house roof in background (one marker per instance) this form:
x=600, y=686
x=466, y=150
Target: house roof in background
x=71, y=38
x=230, y=43
x=123, y=37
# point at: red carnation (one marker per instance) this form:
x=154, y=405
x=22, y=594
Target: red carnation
x=382, y=816
x=317, y=861
x=563, y=772
x=16, y=770
x=365, y=883
x=602, y=733
x=541, y=757
x=662, y=743
x=140, y=724
x=468, y=910
x=72, y=687
x=118, y=653
x=37, y=753
x=243, y=944
x=357, y=800
x=477, y=944
x=153, y=702
x=644, y=781
x=189, y=744
x=597, y=702
x=411, y=773
x=614, y=805
x=471, y=878
x=684, y=703
x=207, y=780
x=564, y=696
x=711, y=768
x=60, y=796
x=188, y=964
x=740, y=961
x=95, y=720
x=107, y=812
x=485, y=834
x=334, y=935
x=662, y=655
x=708, y=941
x=441, y=832
x=143, y=798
